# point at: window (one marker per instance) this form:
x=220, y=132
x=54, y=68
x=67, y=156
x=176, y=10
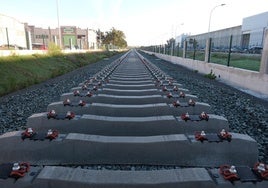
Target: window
x=41, y=36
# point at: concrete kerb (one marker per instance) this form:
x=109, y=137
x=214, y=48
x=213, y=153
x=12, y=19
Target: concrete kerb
x=55, y=176
x=119, y=110
x=116, y=99
x=123, y=98
x=133, y=110
x=129, y=82
x=183, y=178
x=81, y=178
x=133, y=90
x=128, y=126
x=77, y=149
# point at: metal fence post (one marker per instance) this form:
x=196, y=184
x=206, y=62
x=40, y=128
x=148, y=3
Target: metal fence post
x=194, y=44
x=184, y=49
x=208, y=50
x=230, y=51
x=264, y=56
x=7, y=38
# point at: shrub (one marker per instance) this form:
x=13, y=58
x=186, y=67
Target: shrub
x=211, y=75
x=53, y=49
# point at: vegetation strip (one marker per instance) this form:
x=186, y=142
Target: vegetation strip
x=18, y=72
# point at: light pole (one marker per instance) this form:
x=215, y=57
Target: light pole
x=180, y=25
x=211, y=14
x=175, y=35
x=59, y=31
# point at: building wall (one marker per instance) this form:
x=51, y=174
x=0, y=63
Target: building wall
x=54, y=35
x=179, y=40
x=82, y=38
x=250, y=33
x=220, y=38
x=255, y=27
x=40, y=35
x=92, y=39
x=13, y=31
x=79, y=38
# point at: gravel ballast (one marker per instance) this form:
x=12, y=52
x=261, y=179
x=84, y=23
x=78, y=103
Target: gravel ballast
x=16, y=107
x=245, y=113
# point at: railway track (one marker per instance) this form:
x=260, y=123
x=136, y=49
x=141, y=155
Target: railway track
x=130, y=125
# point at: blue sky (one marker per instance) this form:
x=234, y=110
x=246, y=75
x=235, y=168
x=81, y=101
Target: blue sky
x=144, y=22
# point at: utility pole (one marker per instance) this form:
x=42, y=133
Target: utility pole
x=211, y=14
x=7, y=37
x=59, y=31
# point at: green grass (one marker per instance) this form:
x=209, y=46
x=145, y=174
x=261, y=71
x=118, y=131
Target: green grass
x=243, y=61
x=198, y=55
x=17, y=72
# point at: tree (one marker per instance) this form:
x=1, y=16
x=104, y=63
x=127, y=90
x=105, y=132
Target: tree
x=115, y=37
x=193, y=42
x=170, y=42
x=100, y=37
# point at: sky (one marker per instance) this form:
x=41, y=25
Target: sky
x=144, y=22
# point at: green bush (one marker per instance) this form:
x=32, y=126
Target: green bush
x=211, y=75
x=53, y=49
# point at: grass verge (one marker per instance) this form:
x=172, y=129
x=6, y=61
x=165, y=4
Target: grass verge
x=243, y=61
x=18, y=72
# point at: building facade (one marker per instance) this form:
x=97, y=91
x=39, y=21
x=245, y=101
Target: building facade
x=72, y=37
x=92, y=39
x=249, y=34
x=253, y=29
x=12, y=33
x=220, y=39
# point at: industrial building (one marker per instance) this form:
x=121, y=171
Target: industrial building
x=17, y=35
x=249, y=34
x=12, y=33
x=72, y=37
x=253, y=29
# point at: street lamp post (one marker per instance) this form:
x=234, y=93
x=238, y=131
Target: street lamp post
x=59, y=31
x=211, y=14
x=208, y=44
x=174, y=28
x=180, y=25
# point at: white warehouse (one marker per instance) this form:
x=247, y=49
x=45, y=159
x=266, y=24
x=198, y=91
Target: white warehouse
x=250, y=33
x=253, y=29
x=12, y=32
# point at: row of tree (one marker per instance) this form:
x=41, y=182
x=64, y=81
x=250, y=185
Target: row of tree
x=172, y=43
x=113, y=37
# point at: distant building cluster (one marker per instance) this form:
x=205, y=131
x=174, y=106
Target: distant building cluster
x=19, y=35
